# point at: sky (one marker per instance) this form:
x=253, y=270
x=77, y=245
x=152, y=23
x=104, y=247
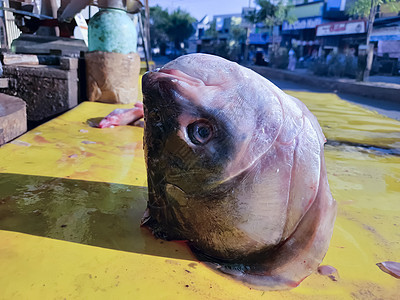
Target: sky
x=200, y=8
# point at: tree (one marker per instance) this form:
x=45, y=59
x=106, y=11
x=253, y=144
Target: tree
x=230, y=47
x=165, y=27
x=238, y=38
x=179, y=27
x=362, y=9
x=212, y=30
x=272, y=13
x=158, y=21
x=238, y=33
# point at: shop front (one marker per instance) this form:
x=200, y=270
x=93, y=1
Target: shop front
x=388, y=39
x=301, y=34
x=342, y=36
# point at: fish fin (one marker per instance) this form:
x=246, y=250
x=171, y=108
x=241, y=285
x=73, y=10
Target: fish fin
x=390, y=267
x=146, y=217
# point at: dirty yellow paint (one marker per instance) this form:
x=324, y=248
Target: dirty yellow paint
x=365, y=183
x=69, y=147
x=343, y=121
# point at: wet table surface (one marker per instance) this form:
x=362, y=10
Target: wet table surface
x=72, y=196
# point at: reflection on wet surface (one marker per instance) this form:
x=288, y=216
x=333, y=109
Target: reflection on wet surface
x=342, y=121
x=365, y=148
x=99, y=214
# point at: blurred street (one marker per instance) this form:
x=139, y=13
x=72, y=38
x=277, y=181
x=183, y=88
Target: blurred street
x=387, y=108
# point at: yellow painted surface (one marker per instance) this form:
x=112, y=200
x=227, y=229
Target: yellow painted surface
x=68, y=147
x=59, y=188
x=343, y=121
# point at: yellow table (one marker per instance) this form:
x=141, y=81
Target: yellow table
x=71, y=199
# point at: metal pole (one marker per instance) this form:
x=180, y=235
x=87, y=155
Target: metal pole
x=147, y=28
x=143, y=41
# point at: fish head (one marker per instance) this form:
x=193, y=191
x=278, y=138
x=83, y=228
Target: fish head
x=200, y=126
x=207, y=123
x=235, y=166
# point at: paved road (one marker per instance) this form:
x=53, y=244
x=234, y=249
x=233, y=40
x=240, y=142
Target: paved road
x=387, y=108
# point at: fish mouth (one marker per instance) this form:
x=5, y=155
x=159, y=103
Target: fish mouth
x=165, y=80
x=180, y=76
x=159, y=89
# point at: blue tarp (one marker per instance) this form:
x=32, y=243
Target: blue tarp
x=258, y=38
x=393, y=37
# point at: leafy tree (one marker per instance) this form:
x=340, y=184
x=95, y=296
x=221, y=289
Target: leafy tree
x=272, y=13
x=230, y=48
x=269, y=12
x=166, y=27
x=238, y=37
x=158, y=19
x=364, y=8
x=238, y=32
x=179, y=27
x=212, y=30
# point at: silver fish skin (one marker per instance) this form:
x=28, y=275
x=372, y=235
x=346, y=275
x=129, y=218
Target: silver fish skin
x=236, y=167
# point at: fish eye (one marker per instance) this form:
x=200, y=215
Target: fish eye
x=200, y=132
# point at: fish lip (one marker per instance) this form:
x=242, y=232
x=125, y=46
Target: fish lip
x=151, y=82
x=176, y=76
x=155, y=86
x=163, y=88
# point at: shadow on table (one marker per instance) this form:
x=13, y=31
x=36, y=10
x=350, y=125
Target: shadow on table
x=94, y=213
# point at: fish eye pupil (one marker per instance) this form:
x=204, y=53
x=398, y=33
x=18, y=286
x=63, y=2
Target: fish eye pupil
x=203, y=131
x=199, y=132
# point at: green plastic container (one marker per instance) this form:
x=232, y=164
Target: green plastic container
x=111, y=30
